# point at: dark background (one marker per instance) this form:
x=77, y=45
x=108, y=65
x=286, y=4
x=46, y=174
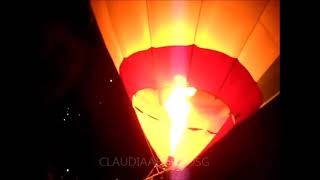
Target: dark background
x=88, y=117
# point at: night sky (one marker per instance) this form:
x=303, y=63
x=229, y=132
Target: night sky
x=88, y=114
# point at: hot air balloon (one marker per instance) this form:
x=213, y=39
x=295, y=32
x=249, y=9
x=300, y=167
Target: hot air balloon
x=192, y=69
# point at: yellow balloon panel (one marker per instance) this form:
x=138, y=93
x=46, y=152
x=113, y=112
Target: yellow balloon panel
x=226, y=25
x=190, y=146
x=259, y=52
x=103, y=20
x=130, y=22
x=153, y=121
x=173, y=22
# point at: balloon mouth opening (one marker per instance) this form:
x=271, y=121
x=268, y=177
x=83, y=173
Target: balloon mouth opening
x=177, y=138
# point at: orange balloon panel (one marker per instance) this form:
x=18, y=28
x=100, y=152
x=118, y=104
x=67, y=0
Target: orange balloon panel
x=108, y=33
x=259, y=52
x=263, y=45
x=207, y=115
x=271, y=21
x=138, y=38
x=226, y=25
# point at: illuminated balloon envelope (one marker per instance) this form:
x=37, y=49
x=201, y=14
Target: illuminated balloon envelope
x=192, y=69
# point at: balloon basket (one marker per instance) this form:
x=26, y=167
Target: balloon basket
x=159, y=171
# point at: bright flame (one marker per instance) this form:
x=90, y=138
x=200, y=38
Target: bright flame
x=178, y=108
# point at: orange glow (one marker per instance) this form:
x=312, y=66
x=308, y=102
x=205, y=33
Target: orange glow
x=178, y=120
x=178, y=108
